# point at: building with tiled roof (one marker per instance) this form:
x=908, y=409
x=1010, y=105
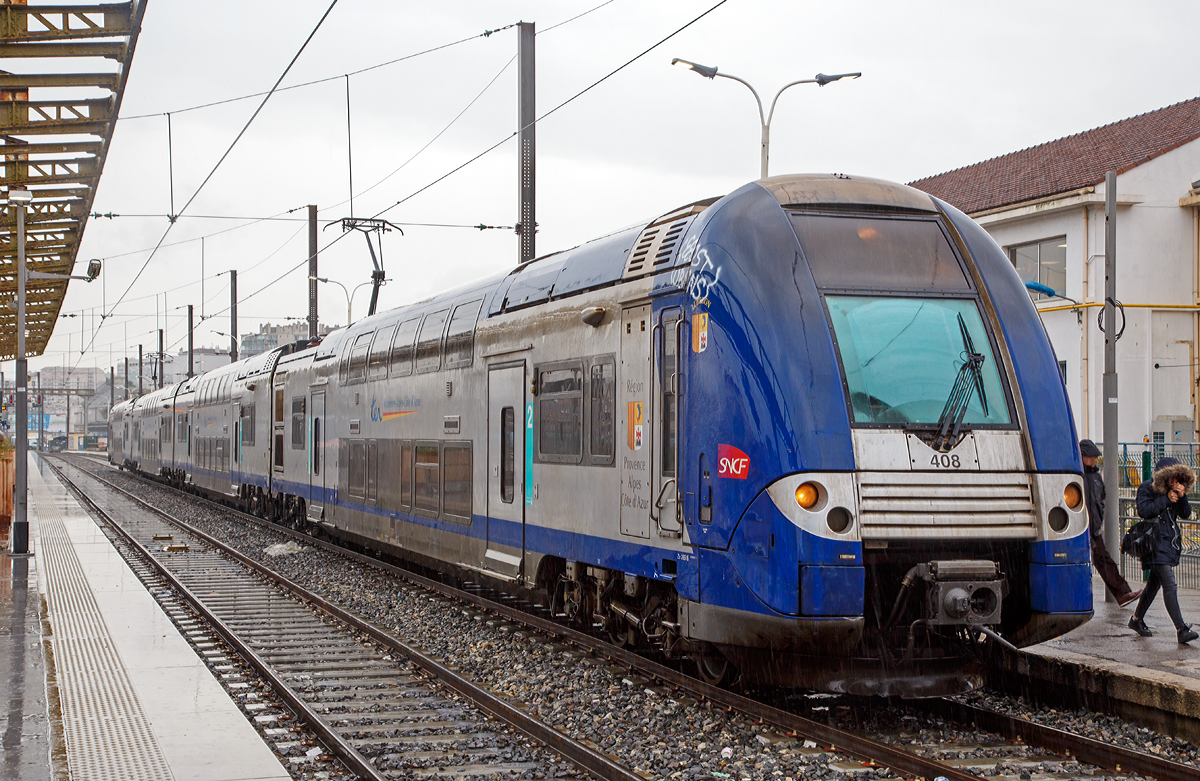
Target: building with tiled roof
x=1045, y=206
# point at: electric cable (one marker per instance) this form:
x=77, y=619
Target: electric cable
x=571, y=99
x=227, y=151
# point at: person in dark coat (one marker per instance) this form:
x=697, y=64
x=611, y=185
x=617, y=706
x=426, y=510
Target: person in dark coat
x=1094, y=497
x=1164, y=498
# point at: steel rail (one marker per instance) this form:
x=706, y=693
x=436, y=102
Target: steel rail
x=338, y=745
x=594, y=762
x=1110, y=757
x=1089, y=750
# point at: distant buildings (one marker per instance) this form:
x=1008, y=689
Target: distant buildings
x=203, y=359
x=271, y=336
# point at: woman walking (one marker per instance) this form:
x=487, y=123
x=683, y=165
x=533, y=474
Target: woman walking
x=1164, y=497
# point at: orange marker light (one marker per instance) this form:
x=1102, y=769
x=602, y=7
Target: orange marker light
x=1072, y=496
x=807, y=495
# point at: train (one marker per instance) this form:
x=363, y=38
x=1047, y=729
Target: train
x=810, y=434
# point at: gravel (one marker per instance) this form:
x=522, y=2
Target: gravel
x=660, y=733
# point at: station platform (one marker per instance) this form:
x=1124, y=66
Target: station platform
x=99, y=682
x=1104, y=665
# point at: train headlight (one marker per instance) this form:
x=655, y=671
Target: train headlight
x=807, y=495
x=1073, y=496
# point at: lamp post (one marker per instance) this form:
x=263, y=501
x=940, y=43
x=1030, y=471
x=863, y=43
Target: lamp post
x=710, y=72
x=20, y=528
x=349, y=294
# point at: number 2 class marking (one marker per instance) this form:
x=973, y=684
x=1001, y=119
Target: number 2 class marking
x=945, y=461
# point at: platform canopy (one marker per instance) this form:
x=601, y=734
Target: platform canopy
x=63, y=69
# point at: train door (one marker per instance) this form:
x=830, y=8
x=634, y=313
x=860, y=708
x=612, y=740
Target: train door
x=636, y=417
x=668, y=384
x=317, y=474
x=510, y=423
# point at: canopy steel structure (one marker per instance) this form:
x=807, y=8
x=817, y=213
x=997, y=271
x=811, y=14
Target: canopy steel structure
x=56, y=124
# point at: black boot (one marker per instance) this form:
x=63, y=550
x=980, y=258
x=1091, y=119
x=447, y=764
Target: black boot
x=1187, y=634
x=1139, y=626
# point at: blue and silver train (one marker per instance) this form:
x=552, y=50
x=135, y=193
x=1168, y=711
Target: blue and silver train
x=811, y=433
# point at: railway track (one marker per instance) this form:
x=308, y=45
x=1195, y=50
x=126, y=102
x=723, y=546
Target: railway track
x=380, y=706
x=1065, y=747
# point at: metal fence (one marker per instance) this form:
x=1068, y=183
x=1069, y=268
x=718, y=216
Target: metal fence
x=1137, y=464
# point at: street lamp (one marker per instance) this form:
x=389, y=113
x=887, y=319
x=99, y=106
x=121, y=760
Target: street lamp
x=19, y=543
x=348, y=293
x=710, y=72
x=19, y=540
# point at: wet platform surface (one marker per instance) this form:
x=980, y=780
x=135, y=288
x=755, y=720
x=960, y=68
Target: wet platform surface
x=133, y=698
x=1107, y=637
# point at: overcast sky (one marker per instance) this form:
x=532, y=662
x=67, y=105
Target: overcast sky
x=945, y=84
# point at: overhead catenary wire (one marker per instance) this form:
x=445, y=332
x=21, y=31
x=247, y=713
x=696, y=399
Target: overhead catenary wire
x=480, y=226
x=241, y=133
x=561, y=105
x=326, y=79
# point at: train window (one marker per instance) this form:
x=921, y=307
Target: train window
x=246, y=415
x=406, y=467
x=181, y=426
x=456, y=491
x=460, y=336
x=670, y=382
x=222, y=451
x=377, y=366
x=429, y=344
x=316, y=458
x=903, y=360
x=357, y=485
x=402, y=347
x=358, y=358
x=165, y=433
x=602, y=389
x=859, y=252
x=372, y=470
x=427, y=479
x=298, y=438
x=279, y=405
x=278, y=450
x=508, y=449
x=560, y=413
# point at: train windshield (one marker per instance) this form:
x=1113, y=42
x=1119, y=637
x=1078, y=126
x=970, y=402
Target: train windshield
x=902, y=357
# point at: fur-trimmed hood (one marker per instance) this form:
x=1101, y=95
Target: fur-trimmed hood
x=1174, y=471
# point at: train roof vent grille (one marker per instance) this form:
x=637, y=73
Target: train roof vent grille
x=656, y=246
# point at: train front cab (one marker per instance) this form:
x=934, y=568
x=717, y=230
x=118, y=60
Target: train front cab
x=844, y=540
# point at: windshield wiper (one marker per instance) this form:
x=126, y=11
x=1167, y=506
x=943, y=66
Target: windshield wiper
x=969, y=379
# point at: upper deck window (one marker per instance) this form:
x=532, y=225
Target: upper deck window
x=859, y=252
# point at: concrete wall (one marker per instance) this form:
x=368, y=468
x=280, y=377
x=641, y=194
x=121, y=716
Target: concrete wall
x=1156, y=267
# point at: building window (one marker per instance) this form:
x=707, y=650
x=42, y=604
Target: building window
x=1044, y=262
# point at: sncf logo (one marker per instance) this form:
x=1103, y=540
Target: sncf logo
x=732, y=462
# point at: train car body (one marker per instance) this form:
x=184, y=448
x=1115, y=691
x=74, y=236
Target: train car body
x=812, y=431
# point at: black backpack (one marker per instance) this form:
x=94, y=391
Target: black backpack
x=1141, y=539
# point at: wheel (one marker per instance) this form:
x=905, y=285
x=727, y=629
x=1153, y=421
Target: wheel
x=716, y=671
